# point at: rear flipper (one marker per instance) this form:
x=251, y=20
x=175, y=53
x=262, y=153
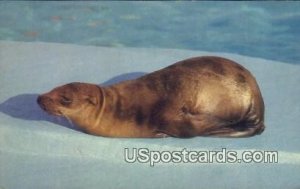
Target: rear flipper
x=242, y=129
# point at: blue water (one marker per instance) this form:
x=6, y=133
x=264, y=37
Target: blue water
x=268, y=30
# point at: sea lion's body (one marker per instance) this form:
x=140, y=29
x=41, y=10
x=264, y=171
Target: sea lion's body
x=203, y=96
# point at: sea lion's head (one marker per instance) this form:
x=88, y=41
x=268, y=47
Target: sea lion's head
x=71, y=99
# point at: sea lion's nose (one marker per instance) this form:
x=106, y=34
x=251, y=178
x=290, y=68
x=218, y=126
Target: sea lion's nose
x=39, y=99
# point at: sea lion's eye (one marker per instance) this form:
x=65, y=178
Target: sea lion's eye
x=65, y=100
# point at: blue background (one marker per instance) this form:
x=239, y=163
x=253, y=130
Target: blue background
x=262, y=29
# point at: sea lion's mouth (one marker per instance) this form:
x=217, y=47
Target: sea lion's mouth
x=52, y=111
x=56, y=113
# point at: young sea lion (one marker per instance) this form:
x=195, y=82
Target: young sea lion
x=202, y=96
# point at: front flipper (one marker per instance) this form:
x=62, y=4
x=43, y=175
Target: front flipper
x=161, y=135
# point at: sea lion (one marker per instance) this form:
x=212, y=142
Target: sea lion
x=202, y=96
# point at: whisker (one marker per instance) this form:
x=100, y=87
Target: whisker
x=69, y=120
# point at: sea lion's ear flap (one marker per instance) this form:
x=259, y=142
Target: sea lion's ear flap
x=92, y=100
x=94, y=95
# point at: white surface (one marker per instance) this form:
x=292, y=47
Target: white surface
x=40, y=151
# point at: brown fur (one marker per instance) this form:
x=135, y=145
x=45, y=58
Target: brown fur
x=202, y=96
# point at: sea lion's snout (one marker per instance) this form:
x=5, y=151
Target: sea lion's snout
x=41, y=100
x=47, y=104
